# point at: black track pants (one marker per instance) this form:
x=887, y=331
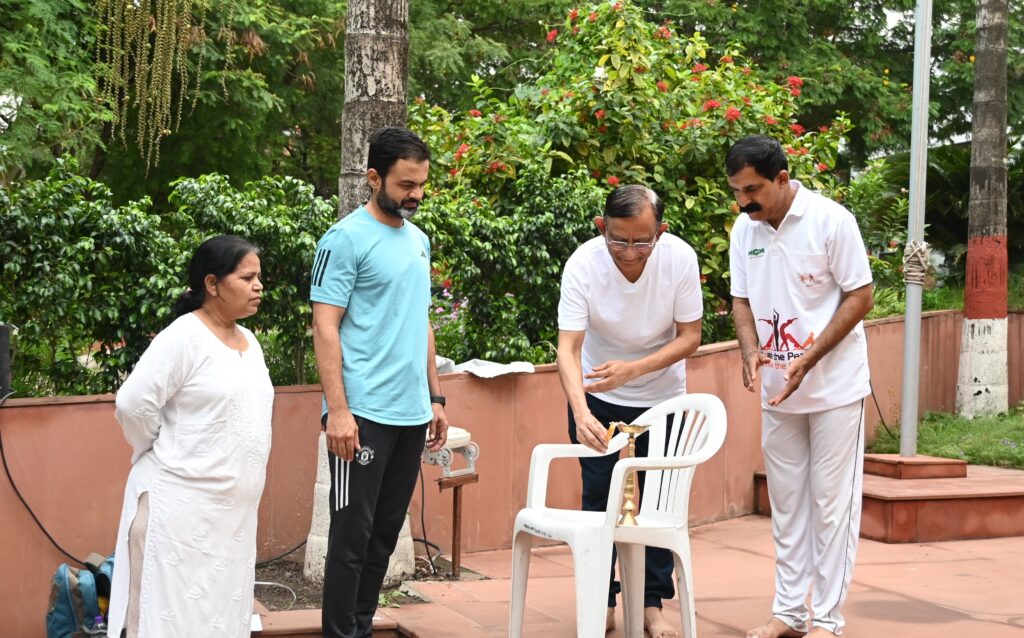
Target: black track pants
x=369, y=498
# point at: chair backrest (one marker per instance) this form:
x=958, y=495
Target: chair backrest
x=691, y=425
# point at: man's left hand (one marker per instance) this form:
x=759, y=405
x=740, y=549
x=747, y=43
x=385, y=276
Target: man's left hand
x=795, y=373
x=610, y=375
x=438, y=429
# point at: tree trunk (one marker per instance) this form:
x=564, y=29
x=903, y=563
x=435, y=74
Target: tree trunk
x=982, y=381
x=376, y=71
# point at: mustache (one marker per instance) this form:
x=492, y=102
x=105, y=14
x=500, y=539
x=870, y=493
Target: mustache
x=752, y=207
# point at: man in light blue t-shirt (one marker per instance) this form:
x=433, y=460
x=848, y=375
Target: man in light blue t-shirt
x=375, y=353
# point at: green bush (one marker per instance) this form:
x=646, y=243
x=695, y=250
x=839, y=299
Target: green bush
x=88, y=283
x=623, y=101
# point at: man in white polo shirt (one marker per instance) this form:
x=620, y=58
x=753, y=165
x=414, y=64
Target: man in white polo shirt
x=630, y=312
x=801, y=285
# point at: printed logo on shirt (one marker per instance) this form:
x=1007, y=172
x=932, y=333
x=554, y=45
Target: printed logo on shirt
x=365, y=455
x=809, y=280
x=755, y=252
x=782, y=345
x=320, y=266
x=423, y=253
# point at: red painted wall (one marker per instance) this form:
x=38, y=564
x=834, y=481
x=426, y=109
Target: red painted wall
x=70, y=460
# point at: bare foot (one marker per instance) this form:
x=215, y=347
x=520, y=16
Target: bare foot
x=656, y=625
x=821, y=632
x=609, y=623
x=775, y=628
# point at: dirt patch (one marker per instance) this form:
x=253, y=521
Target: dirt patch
x=286, y=575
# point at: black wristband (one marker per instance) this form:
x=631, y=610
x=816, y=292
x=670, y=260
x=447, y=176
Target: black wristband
x=439, y=399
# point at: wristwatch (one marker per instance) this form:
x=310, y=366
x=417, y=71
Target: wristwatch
x=439, y=398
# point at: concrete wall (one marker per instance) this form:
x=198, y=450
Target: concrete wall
x=70, y=461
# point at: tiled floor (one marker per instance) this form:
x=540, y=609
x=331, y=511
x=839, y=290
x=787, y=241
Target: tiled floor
x=930, y=590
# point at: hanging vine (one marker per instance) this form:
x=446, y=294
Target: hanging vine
x=143, y=52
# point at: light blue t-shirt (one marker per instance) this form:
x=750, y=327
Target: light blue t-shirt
x=381, y=276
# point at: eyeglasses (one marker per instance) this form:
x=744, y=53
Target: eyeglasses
x=639, y=246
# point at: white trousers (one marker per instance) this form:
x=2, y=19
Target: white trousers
x=815, y=468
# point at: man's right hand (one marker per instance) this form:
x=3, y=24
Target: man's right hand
x=342, y=434
x=751, y=362
x=590, y=432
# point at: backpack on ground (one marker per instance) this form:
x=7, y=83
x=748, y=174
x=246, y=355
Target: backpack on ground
x=78, y=597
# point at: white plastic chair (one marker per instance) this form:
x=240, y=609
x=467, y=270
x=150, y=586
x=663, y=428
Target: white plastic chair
x=693, y=434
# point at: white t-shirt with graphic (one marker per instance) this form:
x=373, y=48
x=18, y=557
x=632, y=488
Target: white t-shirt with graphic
x=628, y=321
x=794, y=279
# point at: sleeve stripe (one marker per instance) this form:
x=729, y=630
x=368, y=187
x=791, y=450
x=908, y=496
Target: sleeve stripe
x=320, y=267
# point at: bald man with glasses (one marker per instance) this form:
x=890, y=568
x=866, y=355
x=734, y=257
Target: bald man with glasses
x=629, y=314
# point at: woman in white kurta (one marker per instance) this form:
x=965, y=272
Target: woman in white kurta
x=196, y=412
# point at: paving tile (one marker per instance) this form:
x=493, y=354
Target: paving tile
x=926, y=590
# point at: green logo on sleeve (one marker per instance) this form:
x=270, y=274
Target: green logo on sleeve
x=755, y=252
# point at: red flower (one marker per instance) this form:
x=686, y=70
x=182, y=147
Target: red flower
x=662, y=86
x=447, y=283
x=617, y=6
x=768, y=119
x=699, y=68
x=695, y=78
x=453, y=172
x=790, y=150
x=498, y=117
x=822, y=166
x=575, y=30
x=602, y=129
x=695, y=121
x=794, y=82
x=747, y=70
x=804, y=151
x=599, y=114
x=640, y=69
x=474, y=113
x=596, y=173
x=613, y=181
x=462, y=151
x=552, y=34
x=797, y=129
x=746, y=100
x=726, y=59
x=593, y=16
x=575, y=13
x=711, y=104
x=732, y=114
x=823, y=129
x=663, y=33
x=794, y=92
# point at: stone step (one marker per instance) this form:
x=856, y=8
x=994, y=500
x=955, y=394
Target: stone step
x=305, y=623
x=987, y=502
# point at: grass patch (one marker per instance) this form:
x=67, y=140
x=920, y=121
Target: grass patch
x=997, y=440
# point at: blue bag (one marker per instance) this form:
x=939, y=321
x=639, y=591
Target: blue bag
x=75, y=596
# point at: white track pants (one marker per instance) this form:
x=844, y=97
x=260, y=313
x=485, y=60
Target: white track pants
x=815, y=468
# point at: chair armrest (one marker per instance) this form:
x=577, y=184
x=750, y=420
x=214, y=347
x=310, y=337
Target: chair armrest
x=543, y=454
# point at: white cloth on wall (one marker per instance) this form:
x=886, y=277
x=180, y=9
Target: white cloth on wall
x=197, y=415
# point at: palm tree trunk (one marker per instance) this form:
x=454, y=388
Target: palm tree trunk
x=376, y=72
x=982, y=381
